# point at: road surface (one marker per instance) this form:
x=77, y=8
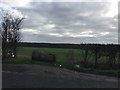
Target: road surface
x=24, y=77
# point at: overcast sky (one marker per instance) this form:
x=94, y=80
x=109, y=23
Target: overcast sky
x=67, y=22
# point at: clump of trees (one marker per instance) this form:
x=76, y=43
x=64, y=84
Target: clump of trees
x=10, y=32
x=99, y=51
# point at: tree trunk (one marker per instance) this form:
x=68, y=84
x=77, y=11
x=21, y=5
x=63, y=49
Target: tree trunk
x=96, y=61
x=85, y=58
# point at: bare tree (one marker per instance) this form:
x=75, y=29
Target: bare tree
x=10, y=27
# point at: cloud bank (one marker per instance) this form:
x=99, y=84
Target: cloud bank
x=69, y=22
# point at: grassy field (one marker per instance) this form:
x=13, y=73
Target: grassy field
x=24, y=57
x=25, y=53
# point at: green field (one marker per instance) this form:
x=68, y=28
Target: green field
x=24, y=55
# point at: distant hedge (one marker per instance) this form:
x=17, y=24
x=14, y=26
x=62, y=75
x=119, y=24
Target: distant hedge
x=116, y=47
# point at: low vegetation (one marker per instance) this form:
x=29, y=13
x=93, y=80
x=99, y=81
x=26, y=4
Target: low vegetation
x=69, y=58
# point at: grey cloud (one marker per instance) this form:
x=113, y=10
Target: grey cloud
x=65, y=15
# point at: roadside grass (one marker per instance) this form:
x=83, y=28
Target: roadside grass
x=25, y=53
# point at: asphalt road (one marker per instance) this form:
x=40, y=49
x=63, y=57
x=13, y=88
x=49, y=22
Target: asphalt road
x=13, y=79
